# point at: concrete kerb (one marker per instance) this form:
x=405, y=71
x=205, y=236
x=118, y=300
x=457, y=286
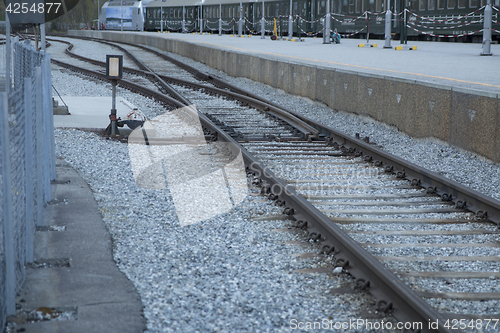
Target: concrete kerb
x=416, y=108
x=399, y=106
x=371, y=95
x=432, y=107
x=473, y=119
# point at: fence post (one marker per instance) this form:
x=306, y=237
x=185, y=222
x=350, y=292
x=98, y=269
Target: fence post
x=48, y=96
x=28, y=115
x=40, y=150
x=8, y=232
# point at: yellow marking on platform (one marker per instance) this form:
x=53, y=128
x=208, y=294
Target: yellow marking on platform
x=398, y=48
x=361, y=45
x=354, y=66
x=374, y=45
x=292, y=40
x=413, y=48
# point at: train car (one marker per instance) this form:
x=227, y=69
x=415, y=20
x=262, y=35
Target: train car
x=123, y=15
x=171, y=13
x=230, y=15
x=454, y=20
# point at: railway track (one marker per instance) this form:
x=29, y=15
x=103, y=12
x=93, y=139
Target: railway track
x=383, y=219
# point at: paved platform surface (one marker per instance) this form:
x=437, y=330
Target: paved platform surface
x=90, y=112
x=104, y=299
x=449, y=64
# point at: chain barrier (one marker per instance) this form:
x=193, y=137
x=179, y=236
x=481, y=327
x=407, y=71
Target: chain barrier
x=444, y=28
x=443, y=36
x=444, y=20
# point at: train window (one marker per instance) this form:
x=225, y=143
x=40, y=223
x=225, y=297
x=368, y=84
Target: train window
x=431, y=5
x=358, y=6
x=421, y=4
x=452, y=4
x=472, y=3
x=483, y=3
x=345, y=7
x=351, y=6
x=440, y=4
x=371, y=6
x=462, y=3
x=378, y=7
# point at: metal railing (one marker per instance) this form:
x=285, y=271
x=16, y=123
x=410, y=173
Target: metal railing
x=27, y=160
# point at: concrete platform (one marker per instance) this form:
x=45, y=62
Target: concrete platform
x=90, y=112
x=442, y=90
x=450, y=64
x=92, y=288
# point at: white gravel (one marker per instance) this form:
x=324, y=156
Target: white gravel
x=225, y=274
x=229, y=273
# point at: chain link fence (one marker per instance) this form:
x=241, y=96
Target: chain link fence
x=27, y=160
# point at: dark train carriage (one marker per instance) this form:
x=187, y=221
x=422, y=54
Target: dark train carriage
x=422, y=19
x=230, y=15
x=435, y=19
x=172, y=13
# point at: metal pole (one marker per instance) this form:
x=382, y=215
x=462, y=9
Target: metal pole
x=240, y=23
x=326, y=31
x=487, y=30
x=201, y=17
x=161, y=17
x=30, y=228
x=113, y=108
x=121, y=9
x=184, y=17
x=7, y=54
x=367, y=28
x=220, y=17
x=42, y=34
x=263, y=24
x=290, y=23
x=388, y=16
x=98, y=12
x=405, y=28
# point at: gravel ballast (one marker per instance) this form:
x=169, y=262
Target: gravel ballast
x=230, y=273
x=225, y=274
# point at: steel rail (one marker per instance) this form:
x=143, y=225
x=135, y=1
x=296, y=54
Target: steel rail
x=484, y=207
x=308, y=130
x=393, y=295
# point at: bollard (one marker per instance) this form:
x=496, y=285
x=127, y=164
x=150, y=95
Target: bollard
x=388, y=15
x=327, y=30
x=263, y=28
x=487, y=30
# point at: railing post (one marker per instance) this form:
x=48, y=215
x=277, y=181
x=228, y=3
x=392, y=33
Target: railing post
x=487, y=30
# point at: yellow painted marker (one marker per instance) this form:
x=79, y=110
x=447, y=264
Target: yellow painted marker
x=361, y=45
x=398, y=48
